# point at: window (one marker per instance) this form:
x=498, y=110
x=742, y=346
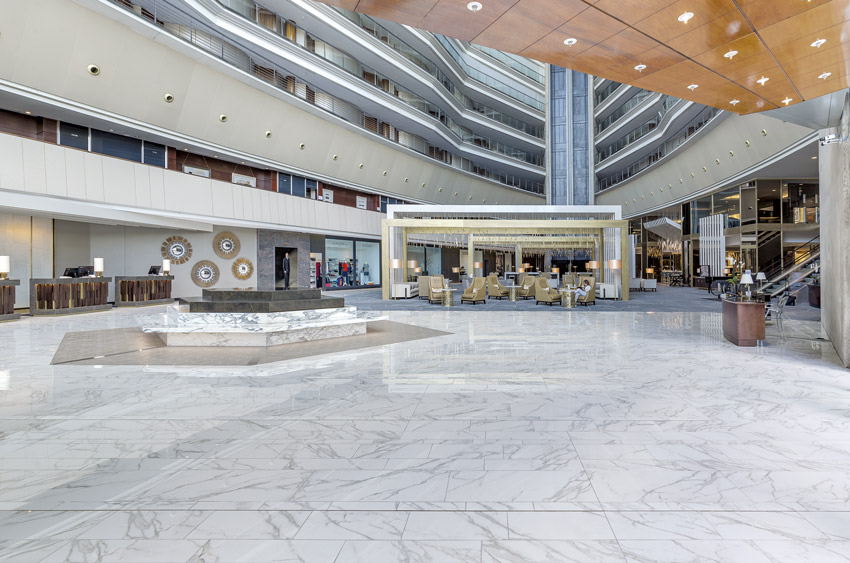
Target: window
x=71, y=135
x=299, y=186
x=244, y=180
x=328, y=195
x=194, y=171
x=312, y=189
x=154, y=154
x=352, y=263
x=284, y=183
x=119, y=146
x=361, y=202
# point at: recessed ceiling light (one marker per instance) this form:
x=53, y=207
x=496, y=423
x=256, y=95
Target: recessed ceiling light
x=684, y=18
x=693, y=87
x=640, y=68
x=474, y=6
x=814, y=158
x=787, y=101
x=825, y=75
x=818, y=43
x=730, y=54
x=763, y=80
x=734, y=102
x=570, y=42
x=28, y=112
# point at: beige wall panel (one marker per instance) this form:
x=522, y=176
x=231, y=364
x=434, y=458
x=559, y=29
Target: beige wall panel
x=15, y=242
x=11, y=163
x=222, y=198
x=247, y=203
x=142, y=178
x=130, y=86
x=265, y=205
x=55, y=171
x=75, y=173
x=94, y=177
x=72, y=246
x=42, y=247
x=187, y=193
x=34, y=177
x=256, y=205
x=274, y=209
x=157, y=179
x=236, y=209
x=119, y=181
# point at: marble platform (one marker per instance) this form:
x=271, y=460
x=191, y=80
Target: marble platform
x=182, y=328
x=260, y=301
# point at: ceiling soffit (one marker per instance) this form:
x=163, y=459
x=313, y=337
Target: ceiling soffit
x=773, y=40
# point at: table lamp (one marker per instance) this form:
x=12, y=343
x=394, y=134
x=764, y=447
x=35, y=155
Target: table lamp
x=747, y=279
x=166, y=267
x=477, y=266
x=5, y=267
x=650, y=271
x=98, y=267
x=556, y=270
x=395, y=264
x=615, y=264
x=761, y=278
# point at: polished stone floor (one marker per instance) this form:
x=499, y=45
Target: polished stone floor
x=521, y=436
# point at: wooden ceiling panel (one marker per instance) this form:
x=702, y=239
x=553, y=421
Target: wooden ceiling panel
x=452, y=18
x=717, y=32
x=526, y=21
x=763, y=13
x=772, y=39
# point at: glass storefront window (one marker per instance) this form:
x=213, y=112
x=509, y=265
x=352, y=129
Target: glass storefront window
x=699, y=209
x=350, y=263
x=369, y=262
x=769, y=201
x=800, y=203
x=729, y=203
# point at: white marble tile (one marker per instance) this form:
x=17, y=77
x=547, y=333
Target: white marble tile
x=662, y=525
x=692, y=551
x=145, y=524
x=456, y=526
x=410, y=551
x=353, y=525
x=814, y=551
x=249, y=525
x=836, y=525
x=113, y=551
x=521, y=551
x=267, y=551
x=763, y=526
x=530, y=486
x=559, y=526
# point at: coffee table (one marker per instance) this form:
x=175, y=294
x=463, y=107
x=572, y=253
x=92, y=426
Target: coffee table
x=448, y=296
x=512, y=292
x=567, y=297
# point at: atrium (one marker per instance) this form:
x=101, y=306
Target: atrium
x=437, y=281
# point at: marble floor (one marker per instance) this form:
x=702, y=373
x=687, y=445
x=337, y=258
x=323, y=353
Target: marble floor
x=520, y=436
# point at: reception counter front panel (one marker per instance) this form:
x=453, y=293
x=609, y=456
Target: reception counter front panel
x=60, y=296
x=7, y=300
x=135, y=291
x=743, y=322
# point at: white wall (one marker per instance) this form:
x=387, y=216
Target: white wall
x=131, y=251
x=29, y=242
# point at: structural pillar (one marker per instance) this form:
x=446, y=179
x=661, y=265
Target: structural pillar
x=470, y=258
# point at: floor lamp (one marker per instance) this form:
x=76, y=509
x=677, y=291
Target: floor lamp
x=616, y=265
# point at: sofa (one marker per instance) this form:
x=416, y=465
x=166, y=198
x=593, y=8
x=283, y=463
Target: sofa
x=404, y=290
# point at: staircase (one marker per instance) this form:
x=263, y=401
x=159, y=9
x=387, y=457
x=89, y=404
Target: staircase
x=796, y=276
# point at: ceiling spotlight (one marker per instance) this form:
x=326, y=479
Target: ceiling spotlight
x=763, y=80
x=684, y=18
x=825, y=75
x=734, y=102
x=640, y=68
x=693, y=87
x=818, y=43
x=730, y=54
x=570, y=42
x=474, y=6
x=787, y=101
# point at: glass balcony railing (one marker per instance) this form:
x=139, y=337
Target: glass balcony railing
x=184, y=26
x=638, y=132
x=679, y=138
x=511, y=61
x=633, y=102
x=610, y=89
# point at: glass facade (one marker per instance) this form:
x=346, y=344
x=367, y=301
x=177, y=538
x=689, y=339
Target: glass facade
x=352, y=263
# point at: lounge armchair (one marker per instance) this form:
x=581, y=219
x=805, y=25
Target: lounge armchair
x=650, y=284
x=424, y=286
x=590, y=298
x=495, y=290
x=526, y=289
x=569, y=279
x=477, y=291
x=435, y=289
x=545, y=294
x=635, y=284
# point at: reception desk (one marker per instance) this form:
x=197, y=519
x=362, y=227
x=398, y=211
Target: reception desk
x=7, y=300
x=743, y=322
x=62, y=296
x=136, y=291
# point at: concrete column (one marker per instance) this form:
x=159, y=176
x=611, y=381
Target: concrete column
x=518, y=258
x=834, y=172
x=470, y=258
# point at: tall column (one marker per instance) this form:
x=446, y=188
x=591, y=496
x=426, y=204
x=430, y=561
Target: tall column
x=625, y=257
x=834, y=173
x=406, y=277
x=386, y=274
x=518, y=263
x=470, y=258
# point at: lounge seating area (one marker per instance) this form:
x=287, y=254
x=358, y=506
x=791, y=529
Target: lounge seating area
x=545, y=294
x=495, y=289
x=638, y=284
x=475, y=293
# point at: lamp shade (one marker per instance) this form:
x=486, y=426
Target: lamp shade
x=556, y=270
x=746, y=278
x=98, y=264
x=477, y=265
x=760, y=276
x=395, y=263
x=650, y=270
x=727, y=271
x=5, y=264
x=166, y=266
x=526, y=265
x=412, y=263
x=417, y=269
x=455, y=270
x=521, y=270
x=593, y=265
x=615, y=264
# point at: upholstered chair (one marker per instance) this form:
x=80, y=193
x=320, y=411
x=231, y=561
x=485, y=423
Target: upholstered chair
x=477, y=291
x=495, y=290
x=545, y=294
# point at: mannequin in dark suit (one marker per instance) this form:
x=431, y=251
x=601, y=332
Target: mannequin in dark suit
x=286, y=271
